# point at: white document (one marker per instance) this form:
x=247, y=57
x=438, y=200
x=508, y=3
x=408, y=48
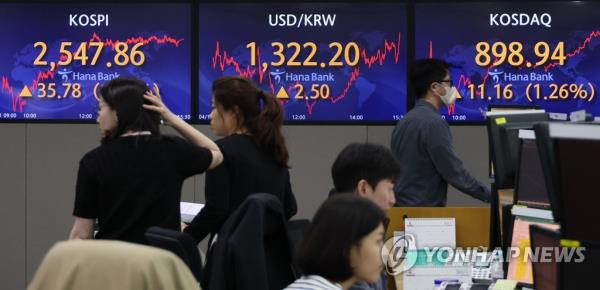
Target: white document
x=521, y=210
x=432, y=232
x=398, y=235
x=577, y=116
x=423, y=277
x=189, y=210
x=558, y=116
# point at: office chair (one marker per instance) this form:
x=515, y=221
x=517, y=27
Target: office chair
x=296, y=229
x=254, y=240
x=104, y=264
x=180, y=244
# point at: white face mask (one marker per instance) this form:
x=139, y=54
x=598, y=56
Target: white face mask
x=450, y=96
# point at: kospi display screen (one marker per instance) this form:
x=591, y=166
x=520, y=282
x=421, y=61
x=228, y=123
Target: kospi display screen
x=325, y=62
x=543, y=54
x=53, y=56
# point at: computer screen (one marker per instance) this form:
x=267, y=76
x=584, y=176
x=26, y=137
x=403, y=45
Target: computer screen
x=325, y=62
x=545, y=272
x=579, y=196
x=585, y=272
x=54, y=56
x=503, y=134
x=519, y=268
x=509, y=134
x=506, y=109
x=520, y=53
x=531, y=186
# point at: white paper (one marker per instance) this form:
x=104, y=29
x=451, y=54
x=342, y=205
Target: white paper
x=532, y=212
x=189, y=210
x=577, y=116
x=423, y=278
x=558, y=116
x=432, y=232
x=398, y=235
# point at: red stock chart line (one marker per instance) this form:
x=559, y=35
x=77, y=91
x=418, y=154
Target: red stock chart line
x=222, y=60
x=583, y=45
x=19, y=102
x=465, y=81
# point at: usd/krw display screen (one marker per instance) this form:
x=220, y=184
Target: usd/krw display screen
x=323, y=61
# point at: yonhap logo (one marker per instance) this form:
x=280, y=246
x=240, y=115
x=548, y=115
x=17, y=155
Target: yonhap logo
x=399, y=254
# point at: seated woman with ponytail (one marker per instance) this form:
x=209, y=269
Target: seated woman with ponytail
x=254, y=152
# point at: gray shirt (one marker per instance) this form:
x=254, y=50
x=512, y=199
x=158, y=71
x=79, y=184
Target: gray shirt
x=422, y=143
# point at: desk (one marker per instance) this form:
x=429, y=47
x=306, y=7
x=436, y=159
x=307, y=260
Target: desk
x=472, y=227
x=472, y=223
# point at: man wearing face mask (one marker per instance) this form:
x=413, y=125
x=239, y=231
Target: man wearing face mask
x=422, y=142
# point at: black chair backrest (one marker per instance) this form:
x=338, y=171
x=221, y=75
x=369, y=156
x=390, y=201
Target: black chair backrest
x=296, y=231
x=179, y=243
x=255, y=242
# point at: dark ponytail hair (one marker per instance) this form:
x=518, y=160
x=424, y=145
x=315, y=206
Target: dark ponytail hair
x=258, y=112
x=125, y=95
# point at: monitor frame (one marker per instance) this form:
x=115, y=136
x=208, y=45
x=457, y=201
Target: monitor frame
x=548, y=233
x=497, y=120
x=526, y=135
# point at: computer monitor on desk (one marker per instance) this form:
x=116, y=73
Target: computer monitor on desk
x=494, y=109
x=564, y=267
x=545, y=270
x=503, y=128
x=519, y=268
x=575, y=157
x=581, y=272
x=530, y=186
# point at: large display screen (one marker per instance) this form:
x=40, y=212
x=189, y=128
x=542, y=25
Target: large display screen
x=330, y=62
x=528, y=54
x=54, y=56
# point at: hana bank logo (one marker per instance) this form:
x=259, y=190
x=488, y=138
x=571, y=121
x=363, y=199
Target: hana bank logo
x=399, y=254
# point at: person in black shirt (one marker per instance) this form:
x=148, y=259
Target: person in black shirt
x=254, y=151
x=422, y=142
x=133, y=180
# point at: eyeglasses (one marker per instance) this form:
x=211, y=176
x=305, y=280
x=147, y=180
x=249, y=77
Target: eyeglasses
x=446, y=81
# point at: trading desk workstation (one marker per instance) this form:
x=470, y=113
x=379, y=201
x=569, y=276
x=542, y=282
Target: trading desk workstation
x=528, y=71
x=539, y=231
